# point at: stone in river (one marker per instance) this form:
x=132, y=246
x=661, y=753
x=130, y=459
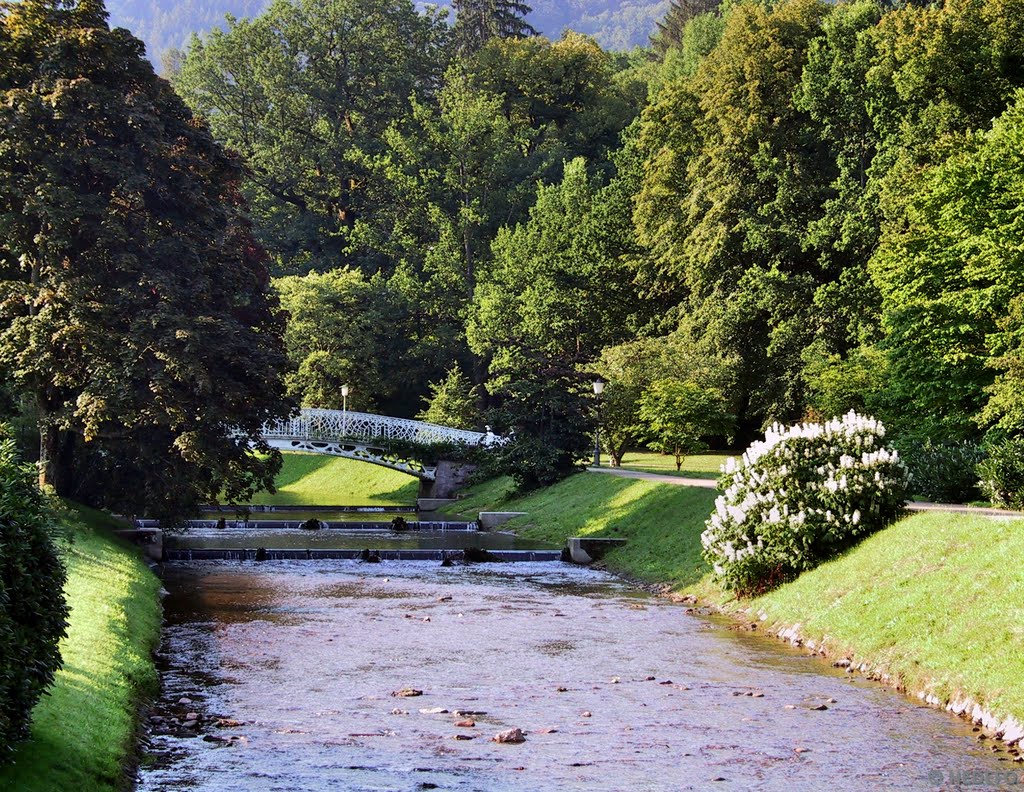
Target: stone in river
x=466, y=724
x=434, y=711
x=509, y=736
x=407, y=692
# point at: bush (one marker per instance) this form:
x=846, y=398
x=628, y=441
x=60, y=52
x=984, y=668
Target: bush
x=800, y=497
x=1002, y=473
x=33, y=614
x=944, y=472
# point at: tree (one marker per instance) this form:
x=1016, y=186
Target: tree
x=134, y=303
x=555, y=294
x=478, y=21
x=453, y=402
x=671, y=29
x=305, y=92
x=676, y=416
x=948, y=282
x=734, y=176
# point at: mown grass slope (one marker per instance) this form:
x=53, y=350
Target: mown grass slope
x=662, y=522
x=936, y=600
x=318, y=480
x=83, y=731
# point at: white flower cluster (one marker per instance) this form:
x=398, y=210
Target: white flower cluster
x=800, y=495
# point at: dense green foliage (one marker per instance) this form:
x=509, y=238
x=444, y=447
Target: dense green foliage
x=1002, y=473
x=808, y=208
x=135, y=312
x=167, y=26
x=33, y=613
x=799, y=498
x=804, y=206
x=84, y=731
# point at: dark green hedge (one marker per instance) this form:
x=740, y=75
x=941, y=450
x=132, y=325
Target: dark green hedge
x=33, y=613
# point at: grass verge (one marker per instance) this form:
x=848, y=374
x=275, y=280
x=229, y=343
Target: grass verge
x=319, y=480
x=659, y=520
x=83, y=731
x=694, y=466
x=935, y=602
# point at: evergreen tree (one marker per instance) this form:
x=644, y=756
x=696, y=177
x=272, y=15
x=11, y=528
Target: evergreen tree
x=478, y=21
x=671, y=29
x=134, y=303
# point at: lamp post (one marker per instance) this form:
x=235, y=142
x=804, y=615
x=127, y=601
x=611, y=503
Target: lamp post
x=345, y=389
x=598, y=390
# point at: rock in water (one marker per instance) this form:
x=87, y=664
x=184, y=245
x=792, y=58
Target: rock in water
x=509, y=736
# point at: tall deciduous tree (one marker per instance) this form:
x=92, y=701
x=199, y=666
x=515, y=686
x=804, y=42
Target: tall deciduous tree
x=135, y=303
x=951, y=286
x=305, y=93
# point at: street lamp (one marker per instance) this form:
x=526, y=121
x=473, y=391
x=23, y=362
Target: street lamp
x=345, y=390
x=598, y=390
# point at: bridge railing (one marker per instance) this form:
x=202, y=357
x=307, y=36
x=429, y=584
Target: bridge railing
x=334, y=425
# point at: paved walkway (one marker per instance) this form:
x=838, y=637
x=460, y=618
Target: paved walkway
x=713, y=484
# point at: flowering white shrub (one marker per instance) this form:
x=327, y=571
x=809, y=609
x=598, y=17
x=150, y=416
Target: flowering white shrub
x=799, y=497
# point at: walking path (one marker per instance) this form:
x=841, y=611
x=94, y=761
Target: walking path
x=680, y=481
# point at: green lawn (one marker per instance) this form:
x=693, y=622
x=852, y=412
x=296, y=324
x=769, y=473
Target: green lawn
x=694, y=466
x=84, y=730
x=319, y=480
x=937, y=600
x=663, y=522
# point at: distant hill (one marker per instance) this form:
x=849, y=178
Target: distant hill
x=165, y=24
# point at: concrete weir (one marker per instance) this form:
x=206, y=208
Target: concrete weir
x=317, y=554
x=584, y=550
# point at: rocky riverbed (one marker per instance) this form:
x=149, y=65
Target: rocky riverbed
x=408, y=676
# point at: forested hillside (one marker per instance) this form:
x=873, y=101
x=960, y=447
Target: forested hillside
x=169, y=24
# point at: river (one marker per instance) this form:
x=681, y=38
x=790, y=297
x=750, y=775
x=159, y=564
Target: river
x=288, y=676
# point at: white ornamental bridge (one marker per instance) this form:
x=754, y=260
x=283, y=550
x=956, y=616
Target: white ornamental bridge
x=365, y=437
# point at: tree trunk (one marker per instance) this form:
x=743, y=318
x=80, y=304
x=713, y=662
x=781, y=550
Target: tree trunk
x=56, y=460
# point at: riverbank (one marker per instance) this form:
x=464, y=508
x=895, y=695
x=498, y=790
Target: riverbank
x=932, y=606
x=84, y=730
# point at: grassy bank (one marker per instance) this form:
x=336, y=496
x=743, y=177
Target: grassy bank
x=84, y=730
x=318, y=480
x=659, y=520
x=936, y=601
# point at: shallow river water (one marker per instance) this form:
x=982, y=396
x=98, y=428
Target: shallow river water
x=613, y=689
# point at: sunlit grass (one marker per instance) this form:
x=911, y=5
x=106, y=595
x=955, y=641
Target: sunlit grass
x=83, y=731
x=662, y=522
x=936, y=599
x=319, y=480
x=694, y=466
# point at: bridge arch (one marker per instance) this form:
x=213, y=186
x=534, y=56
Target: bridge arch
x=365, y=436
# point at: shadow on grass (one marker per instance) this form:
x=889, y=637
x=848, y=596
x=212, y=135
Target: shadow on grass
x=661, y=522
x=298, y=466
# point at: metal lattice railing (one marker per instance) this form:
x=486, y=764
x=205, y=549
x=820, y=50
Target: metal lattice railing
x=334, y=425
